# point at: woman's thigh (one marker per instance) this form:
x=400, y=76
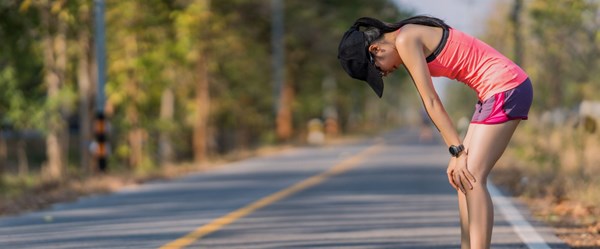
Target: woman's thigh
x=486, y=143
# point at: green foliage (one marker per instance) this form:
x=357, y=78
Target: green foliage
x=567, y=30
x=11, y=186
x=20, y=69
x=561, y=40
x=156, y=45
x=313, y=33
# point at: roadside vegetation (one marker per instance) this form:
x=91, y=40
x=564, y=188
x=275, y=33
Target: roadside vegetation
x=553, y=161
x=189, y=84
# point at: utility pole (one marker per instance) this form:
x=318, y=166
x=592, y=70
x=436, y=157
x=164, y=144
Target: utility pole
x=101, y=123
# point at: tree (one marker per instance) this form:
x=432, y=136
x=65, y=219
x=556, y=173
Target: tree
x=313, y=31
x=53, y=32
x=23, y=101
x=515, y=18
x=54, y=40
x=193, y=26
x=567, y=32
x=136, y=65
x=186, y=78
x=85, y=82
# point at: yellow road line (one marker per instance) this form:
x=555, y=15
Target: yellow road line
x=244, y=211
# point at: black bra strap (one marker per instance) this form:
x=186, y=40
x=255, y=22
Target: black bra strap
x=440, y=46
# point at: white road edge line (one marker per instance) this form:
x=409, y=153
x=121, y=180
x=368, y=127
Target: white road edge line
x=526, y=232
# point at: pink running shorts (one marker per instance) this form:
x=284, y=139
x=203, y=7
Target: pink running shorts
x=504, y=106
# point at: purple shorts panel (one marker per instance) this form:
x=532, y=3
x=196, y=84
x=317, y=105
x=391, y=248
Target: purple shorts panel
x=505, y=106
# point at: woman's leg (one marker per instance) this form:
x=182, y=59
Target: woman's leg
x=465, y=242
x=486, y=145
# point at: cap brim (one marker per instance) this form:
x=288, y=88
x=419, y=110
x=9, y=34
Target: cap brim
x=374, y=79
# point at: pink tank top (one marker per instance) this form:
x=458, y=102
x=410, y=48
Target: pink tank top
x=476, y=64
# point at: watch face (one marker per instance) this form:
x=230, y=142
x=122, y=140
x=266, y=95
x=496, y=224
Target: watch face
x=453, y=150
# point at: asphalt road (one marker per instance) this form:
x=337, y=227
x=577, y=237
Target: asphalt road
x=389, y=192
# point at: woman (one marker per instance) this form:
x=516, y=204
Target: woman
x=427, y=47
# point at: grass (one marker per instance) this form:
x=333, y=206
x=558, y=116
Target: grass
x=11, y=186
x=20, y=194
x=555, y=170
x=560, y=163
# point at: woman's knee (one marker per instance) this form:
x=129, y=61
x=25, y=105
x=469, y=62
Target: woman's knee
x=477, y=186
x=479, y=168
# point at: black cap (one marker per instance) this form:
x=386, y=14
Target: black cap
x=354, y=55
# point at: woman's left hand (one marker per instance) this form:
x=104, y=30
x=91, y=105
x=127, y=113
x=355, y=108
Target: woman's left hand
x=461, y=176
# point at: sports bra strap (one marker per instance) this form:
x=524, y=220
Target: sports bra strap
x=440, y=46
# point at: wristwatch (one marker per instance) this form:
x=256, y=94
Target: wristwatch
x=456, y=150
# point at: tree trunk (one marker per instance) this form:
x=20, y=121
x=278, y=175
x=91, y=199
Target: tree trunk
x=203, y=111
x=167, y=111
x=61, y=71
x=136, y=142
x=84, y=84
x=22, y=160
x=54, y=73
x=284, y=114
x=94, y=162
x=554, y=81
x=516, y=25
x=136, y=135
x=3, y=154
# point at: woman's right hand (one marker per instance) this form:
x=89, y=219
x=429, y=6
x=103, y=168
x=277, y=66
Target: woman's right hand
x=459, y=175
x=450, y=172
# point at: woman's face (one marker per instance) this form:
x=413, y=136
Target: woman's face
x=385, y=56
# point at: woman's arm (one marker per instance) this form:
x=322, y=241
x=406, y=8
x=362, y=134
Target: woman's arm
x=410, y=49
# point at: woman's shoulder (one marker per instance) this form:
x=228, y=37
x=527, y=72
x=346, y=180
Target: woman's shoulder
x=426, y=35
x=409, y=32
x=418, y=30
x=413, y=28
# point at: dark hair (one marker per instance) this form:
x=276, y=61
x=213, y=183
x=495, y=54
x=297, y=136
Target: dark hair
x=376, y=28
x=353, y=52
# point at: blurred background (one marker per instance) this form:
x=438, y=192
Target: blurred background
x=186, y=81
x=189, y=82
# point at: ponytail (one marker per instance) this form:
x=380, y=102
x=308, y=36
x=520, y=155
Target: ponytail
x=376, y=28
